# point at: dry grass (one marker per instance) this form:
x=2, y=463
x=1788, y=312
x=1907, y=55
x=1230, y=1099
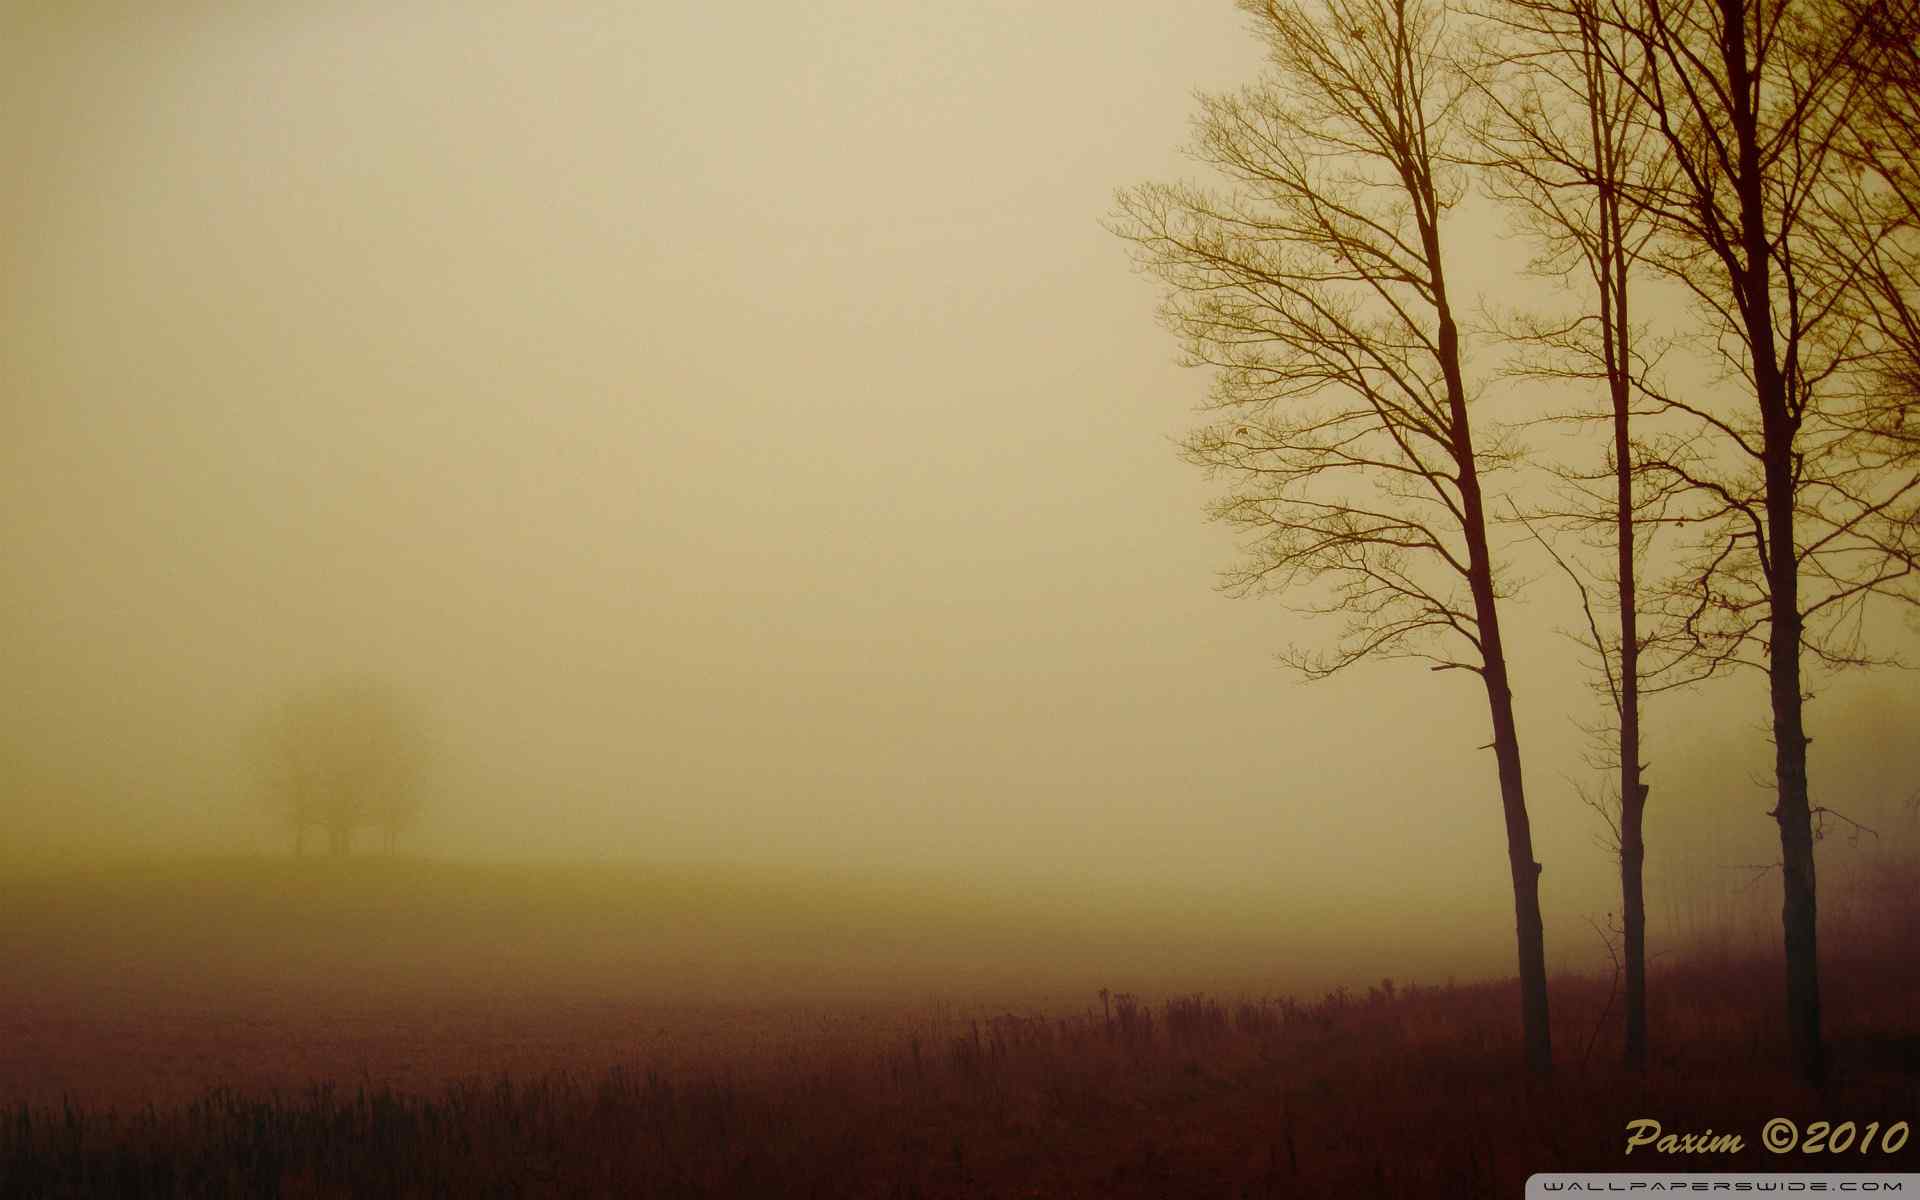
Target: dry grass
x=475, y=1093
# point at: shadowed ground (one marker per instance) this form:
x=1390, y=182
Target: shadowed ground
x=351, y=1061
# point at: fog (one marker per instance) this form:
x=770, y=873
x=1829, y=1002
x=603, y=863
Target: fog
x=733, y=428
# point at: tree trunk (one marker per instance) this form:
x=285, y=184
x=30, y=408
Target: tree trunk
x=1779, y=426
x=1798, y=912
x=1525, y=871
x=1616, y=337
x=1633, y=793
x=1792, y=809
x=1535, y=1030
x=1633, y=915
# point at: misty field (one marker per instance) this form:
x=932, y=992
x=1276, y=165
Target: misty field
x=404, y=1028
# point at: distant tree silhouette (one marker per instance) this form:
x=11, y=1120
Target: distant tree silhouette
x=343, y=757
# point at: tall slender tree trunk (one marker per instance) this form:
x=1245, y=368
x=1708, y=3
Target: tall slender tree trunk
x=1528, y=927
x=1794, y=812
x=1792, y=809
x=1778, y=427
x=1633, y=793
x=1535, y=1030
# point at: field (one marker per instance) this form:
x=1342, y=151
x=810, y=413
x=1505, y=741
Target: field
x=403, y=1028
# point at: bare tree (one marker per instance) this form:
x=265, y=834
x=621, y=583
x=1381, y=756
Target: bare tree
x=1564, y=138
x=1314, y=287
x=1804, y=520
x=343, y=757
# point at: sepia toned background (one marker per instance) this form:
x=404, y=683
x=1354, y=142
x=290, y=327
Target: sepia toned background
x=733, y=428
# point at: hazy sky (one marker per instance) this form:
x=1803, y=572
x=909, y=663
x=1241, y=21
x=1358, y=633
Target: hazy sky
x=733, y=424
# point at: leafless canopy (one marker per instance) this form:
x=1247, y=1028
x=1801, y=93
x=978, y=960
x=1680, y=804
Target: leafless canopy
x=1313, y=285
x=1753, y=140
